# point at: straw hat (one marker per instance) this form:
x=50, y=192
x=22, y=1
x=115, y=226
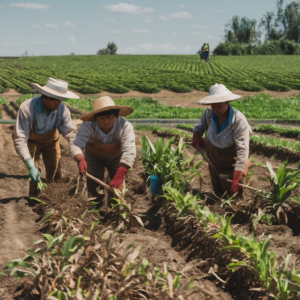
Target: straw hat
x=103, y=104
x=55, y=88
x=218, y=93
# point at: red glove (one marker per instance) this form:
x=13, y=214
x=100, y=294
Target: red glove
x=118, y=179
x=198, y=140
x=82, y=166
x=236, y=179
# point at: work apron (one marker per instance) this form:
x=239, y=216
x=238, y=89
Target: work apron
x=46, y=145
x=99, y=156
x=224, y=161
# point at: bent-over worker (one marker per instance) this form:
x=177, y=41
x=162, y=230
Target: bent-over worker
x=227, y=143
x=36, y=132
x=109, y=142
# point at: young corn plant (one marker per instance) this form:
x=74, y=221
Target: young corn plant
x=282, y=185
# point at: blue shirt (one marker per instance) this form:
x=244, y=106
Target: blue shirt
x=40, y=107
x=226, y=123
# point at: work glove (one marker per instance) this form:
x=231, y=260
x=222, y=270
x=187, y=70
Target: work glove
x=118, y=179
x=198, y=140
x=235, y=181
x=82, y=166
x=34, y=173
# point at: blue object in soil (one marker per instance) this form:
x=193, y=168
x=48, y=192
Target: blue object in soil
x=155, y=184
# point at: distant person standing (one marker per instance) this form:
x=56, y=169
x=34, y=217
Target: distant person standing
x=205, y=51
x=38, y=123
x=109, y=143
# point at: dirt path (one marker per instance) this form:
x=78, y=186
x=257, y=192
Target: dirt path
x=168, y=97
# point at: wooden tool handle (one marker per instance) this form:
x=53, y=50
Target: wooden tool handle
x=106, y=186
x=245, y=186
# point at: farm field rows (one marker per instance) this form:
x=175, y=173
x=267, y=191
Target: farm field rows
x=150, y=73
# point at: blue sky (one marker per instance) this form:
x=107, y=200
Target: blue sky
x=60, y=27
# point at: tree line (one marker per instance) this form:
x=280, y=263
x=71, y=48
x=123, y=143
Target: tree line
x=281, y=31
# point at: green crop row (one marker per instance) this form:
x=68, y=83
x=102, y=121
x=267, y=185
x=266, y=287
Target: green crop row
x=283, y=131
x=187, y=127
x=151, y=73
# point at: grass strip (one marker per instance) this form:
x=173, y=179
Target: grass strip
x=187, y=127
x=283, y=131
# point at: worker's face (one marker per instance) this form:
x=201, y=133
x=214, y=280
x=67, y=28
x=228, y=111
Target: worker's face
x=219, y=109
x=106, y=122
x=51, y=103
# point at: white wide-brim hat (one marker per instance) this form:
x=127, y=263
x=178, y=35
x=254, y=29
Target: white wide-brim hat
x=218, y=93
x=55, y=88
x=105, y=103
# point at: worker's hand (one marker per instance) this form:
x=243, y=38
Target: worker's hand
x=34, y=173
x=198, y=140
x=82, y=166
x=118, y=179
x=235, y=181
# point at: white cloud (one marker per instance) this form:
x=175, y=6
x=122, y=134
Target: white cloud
x=111, y=20
x=141, y=31
x=218, y=11
x=197, y=33
x=36, y=26
x=12, y=43
x=273, y=5
x=125, y=8
x=182, y=5
x=175, y=34
x=2, y=6
x=201, y=26
x=72, y=39
x=128, y=50
x=212, y=37
x=67, y=23
x=190, y=49
x=147, y=20
x=41, y=43
x=50, y=25
x=30, y=6
x=161, y=48
x=116, y=31
x=181, y=15
x=163, y=18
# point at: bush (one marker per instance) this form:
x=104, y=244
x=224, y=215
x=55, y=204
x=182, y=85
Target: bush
x=274, y=86
x=180, y=89
x=150, y=89
x=85, y=89
x=1, y=89
x=118, y=89
x=251, y=87
x=24, y=90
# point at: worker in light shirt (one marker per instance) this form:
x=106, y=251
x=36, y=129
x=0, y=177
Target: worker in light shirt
x=36, y=134
x=227, y=144
x=109, y=142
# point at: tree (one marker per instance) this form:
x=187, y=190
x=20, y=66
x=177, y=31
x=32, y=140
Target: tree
x=241, y=30
x=111, y=49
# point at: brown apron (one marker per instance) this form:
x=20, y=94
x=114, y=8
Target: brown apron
x=224, y=161
x=99, y=156
x=48, y=146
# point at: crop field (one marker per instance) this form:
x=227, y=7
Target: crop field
x=150, y=73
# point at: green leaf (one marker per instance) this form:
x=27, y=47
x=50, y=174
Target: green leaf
x=71, y=246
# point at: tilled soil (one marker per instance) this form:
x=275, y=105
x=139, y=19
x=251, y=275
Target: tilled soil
x=20, y=228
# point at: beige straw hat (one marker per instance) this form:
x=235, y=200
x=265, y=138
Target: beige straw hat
x=55, y=88
x=103, y=104
x=218, y=93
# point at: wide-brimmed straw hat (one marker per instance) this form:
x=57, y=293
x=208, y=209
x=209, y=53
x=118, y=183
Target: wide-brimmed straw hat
x=55, y=88
x=105, y=103
x=218, y=93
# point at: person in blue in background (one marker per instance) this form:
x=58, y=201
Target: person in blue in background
x=205, y=51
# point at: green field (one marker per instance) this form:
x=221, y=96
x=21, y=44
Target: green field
x=150, y=73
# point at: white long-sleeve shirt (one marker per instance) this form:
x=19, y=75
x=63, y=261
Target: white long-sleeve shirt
x=236, y=132
x=32, y=117
x=122, y=131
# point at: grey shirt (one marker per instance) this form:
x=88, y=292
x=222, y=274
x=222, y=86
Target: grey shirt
x=236, y=133
x=31, y=117
x=122, y=131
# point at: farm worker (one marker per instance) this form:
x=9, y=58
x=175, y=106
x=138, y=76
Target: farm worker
x=38, y=123
x=205, y=51
x=227, y=144
x=109, y=142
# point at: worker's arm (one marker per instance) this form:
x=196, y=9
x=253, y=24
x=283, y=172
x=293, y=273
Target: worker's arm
x=199, y=130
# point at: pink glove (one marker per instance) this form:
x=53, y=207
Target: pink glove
x=82, y=166
x=198, y=140
x=118, y=179
x=235, y=181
